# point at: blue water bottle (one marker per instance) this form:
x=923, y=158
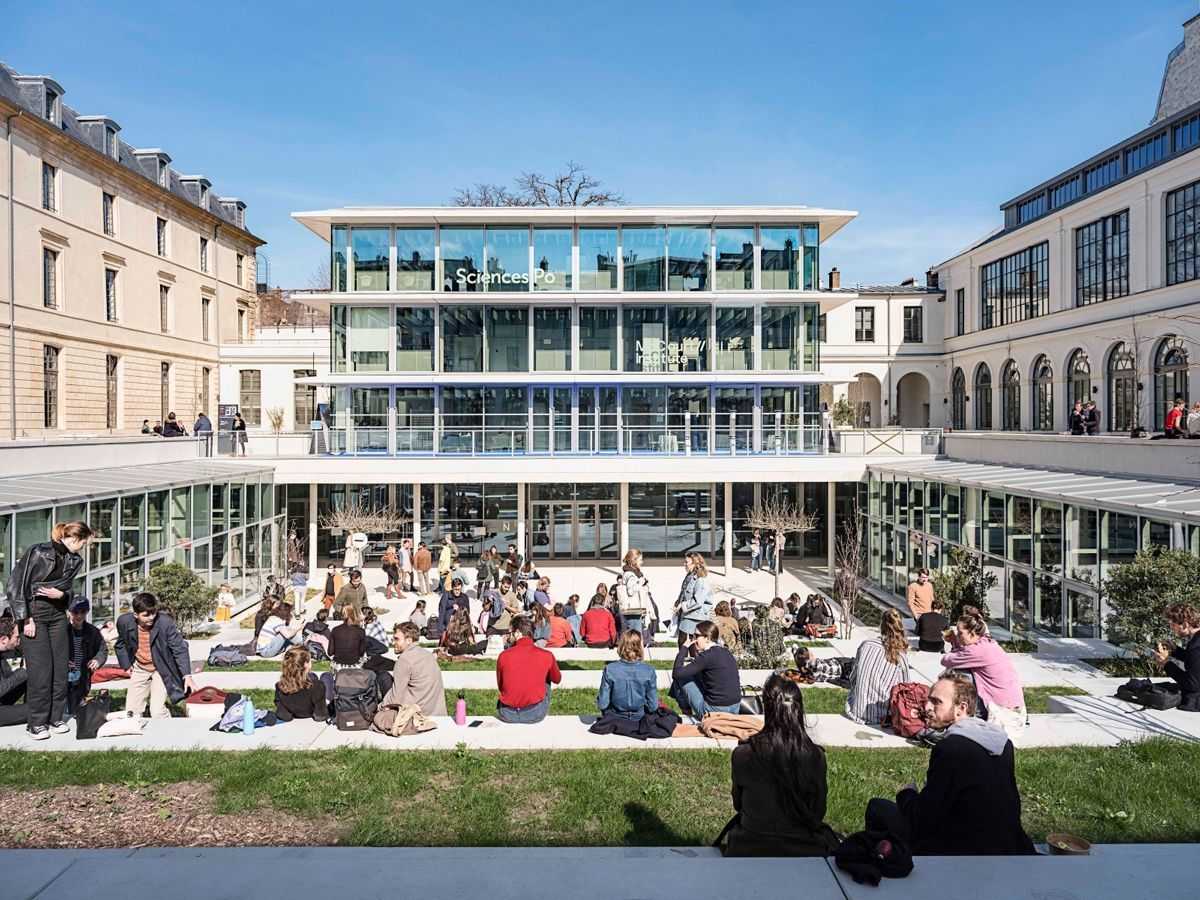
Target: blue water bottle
x=248, y=716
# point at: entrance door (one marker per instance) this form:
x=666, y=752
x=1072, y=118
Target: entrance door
x=583, y=529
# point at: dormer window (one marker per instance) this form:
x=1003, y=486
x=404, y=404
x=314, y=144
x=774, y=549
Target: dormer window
x=51, y=110
x=162, y=173
x=110, y=143
x=203, y=197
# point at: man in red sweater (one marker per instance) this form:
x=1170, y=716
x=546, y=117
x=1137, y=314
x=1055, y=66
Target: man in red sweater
x=597, y=628
x=524, y=673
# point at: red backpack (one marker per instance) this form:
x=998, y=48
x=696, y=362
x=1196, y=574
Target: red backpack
x=906, y=708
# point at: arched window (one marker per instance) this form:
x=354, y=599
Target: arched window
x=1079, y=380
x=983, y=398
x=958, y=401
x=1043, y=395
x=1170, y=377
x=1122, y=389
x=1010, y=397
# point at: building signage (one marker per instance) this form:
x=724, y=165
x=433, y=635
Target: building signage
x=657, y=355
x=469, y=276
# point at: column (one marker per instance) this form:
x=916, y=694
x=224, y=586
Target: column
x=831, y=527
x=312, y=530
x=416, y=515
x=623, y=514
x=729, y=538
x=522, y=518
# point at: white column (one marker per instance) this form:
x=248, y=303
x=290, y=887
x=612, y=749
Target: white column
x=312, y=530
x=624, y=518
x=522, y=523
x=729, y=538
x=416, y=515
x=831, y=527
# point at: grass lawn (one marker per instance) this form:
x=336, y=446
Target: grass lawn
x=1126, y=667
x=1142, y=792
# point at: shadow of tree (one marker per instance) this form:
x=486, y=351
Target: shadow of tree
x=647, y=829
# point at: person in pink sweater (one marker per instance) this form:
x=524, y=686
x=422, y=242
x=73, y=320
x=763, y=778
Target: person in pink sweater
x=996, y=679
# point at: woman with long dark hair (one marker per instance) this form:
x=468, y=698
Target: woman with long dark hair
x=779, y=786
x=39, y=592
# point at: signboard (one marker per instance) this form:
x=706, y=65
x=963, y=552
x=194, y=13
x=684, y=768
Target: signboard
x=225, y=414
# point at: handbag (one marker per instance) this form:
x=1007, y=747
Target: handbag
x=1148, y=695
x=751, y=703
x=90, y=715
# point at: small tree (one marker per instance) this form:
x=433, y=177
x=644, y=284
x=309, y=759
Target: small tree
x=182, y=593
x=1138, y=592
x=843, y=413
x=356, y=516
x=964, y=583
x=850, y=559
x=780, y=516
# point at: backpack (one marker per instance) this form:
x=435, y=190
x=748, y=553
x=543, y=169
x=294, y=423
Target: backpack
x=355, y=699
x=226, y=655
x=317, y=646
x=906, y=708
x=1147, y=694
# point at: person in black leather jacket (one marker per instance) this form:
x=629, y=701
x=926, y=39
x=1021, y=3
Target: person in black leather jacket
x=1183, y=663
x=39, y=592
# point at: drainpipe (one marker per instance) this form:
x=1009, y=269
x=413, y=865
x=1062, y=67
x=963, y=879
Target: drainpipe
x=12, y=282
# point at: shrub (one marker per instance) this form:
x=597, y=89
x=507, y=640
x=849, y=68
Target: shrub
x=964, y=583
x=182, y=593
x=1138, y=592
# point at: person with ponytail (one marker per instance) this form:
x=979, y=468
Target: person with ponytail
x=39, y=592
x=779, y=785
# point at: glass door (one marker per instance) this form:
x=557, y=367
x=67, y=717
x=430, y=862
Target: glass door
x=608, y=528
x=587, y=530
x=1020, y=600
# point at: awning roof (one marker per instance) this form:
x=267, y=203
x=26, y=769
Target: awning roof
x=1142, y=496
x=29, y=491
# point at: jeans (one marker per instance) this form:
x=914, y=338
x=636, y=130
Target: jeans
x=527, y=715
x=697, y=705
x=47, y=657
x=755, y=562
x=575, y=620
x=276, y=646
x=633, y=623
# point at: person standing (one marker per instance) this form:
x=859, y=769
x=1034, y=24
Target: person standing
x=483, y=573
x=446, y=563
x=1193, y=421
x=1076, y=421
x=239, y=435
x=39, y=592
x=755, y=551
x=333, y=585
x=88, y=653
x=636, y=590
x=768, y=551
x=422, y=563
x=202, y=425
x=150, y=646
x=353, y=593
x=695, y=602
x=390, y=563
x=920, y=594
x=406, y=565
x=1091, y=418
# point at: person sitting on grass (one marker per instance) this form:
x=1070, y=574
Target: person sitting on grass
x=524, y=674
x=1183, y=663
x=299, y=694
x=628, y=686
x=879, y=665
x=348, y=641
x=970, y=804
x=459, y=638
x=151, y=647
x=279, y=632
x=266, y=609
x=779, y=783
x=541, y=624
x=705, y=676
x=597, y=628
x=419, y=617
x=1001, y=700
x=376, y=633
x=931, y=628
x=727, y=627
x=416, y=677
x=814, y=670
x=12, y=681
x=541, y=594
x=561, y=633
x=815, y=618
x=452, y=599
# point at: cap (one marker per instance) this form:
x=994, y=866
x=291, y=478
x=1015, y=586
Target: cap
x=80, y=605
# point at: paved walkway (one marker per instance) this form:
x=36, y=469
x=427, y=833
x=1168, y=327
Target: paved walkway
x=1111, y=872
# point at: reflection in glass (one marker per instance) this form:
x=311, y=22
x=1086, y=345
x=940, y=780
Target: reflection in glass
x=102, y=522
x=507, y=259
x=552, y=259
x=414, y=420
x=552, y=339
x=414, y=339
x=508, y=339
x=780, y=259
x=644, y=420
x=687, y=339
x=645, y=337
x=369, y=338
x=782, y=338
x=415, y=259
x=369, y=414
x=688, y=250
x=735, y=419
x=462, y=420
x=462, y=259
x=598, y=338
x=735, y=258
x=642, y=251
x=812, y=250
x=131, y=525
x=371, y=251
x=735, y=338
x=337, y=338
x=506, y=419
x=339, y=251
x=462, y=338
x=597, y=259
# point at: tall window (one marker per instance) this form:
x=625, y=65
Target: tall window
x=1010, y=397
x=50, y=386
x=250, y=395
x=1043, y=395
x=111, y=148
x=239, y=270
x=110, y=294
x=1181, y=233
x=1170, y=377
x=205, y=312
x=205, y=380
x=914, y=332
x=958, y=400
x=983, y=398
x=864, y=324
x=161, y=236
x=49, y=176
x=1016, y=287
x=304, y=398
x=110, y=393
x=960, y=311
x=164, y=308
x=1102, y=259
x=49, y=278
x=1122, y=389
x=241, y=326
x=1079, y=379
x=203, y=254
x=51, y=109
x=108, y=205
x=164, y=390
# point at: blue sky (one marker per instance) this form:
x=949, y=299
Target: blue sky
x=923, y=117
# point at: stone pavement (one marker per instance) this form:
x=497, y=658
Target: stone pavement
x=1111, y=872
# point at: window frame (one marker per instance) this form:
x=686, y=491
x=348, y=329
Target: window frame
x=112, y=388
x=51, y=394
x=914, y=324
x=49, y=187
x=864, y=324
x=1177, y=204
x=108, y=214
x=164, y=308
x=162, y=237
x=112, y=307
x=1097, y=266
x=251, y=412
x=51, y=260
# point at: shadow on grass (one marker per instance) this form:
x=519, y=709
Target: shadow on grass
x=646, y=829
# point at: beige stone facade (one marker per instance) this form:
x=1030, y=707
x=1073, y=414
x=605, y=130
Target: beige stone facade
x=200, y=288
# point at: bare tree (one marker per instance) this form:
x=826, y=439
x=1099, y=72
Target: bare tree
x=779, y=515
x=849, y=559
x=572, y=186
x=367, y=519
x=321, y=279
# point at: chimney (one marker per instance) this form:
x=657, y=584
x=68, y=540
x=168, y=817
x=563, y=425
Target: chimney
x=909, y=282
x=835, y=279
x=931, y=278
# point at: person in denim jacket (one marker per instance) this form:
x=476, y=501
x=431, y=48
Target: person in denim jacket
x=628, y=686
x=695, y=603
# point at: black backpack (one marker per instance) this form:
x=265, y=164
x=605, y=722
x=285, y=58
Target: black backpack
x=355, y=699
x=1145, y=693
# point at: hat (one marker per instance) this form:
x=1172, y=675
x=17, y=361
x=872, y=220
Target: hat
x=80, y=605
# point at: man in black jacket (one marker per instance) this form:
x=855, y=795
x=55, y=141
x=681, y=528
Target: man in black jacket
x=1183, y=663
x=12, y=681
x=970, y=804
x=150, y=646
x=88, y=653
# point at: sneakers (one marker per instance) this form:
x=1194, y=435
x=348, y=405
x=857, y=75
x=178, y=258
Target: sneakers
x=60, y=727
x=39, y=733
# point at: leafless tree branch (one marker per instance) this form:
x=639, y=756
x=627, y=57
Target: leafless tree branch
x=570, y=187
